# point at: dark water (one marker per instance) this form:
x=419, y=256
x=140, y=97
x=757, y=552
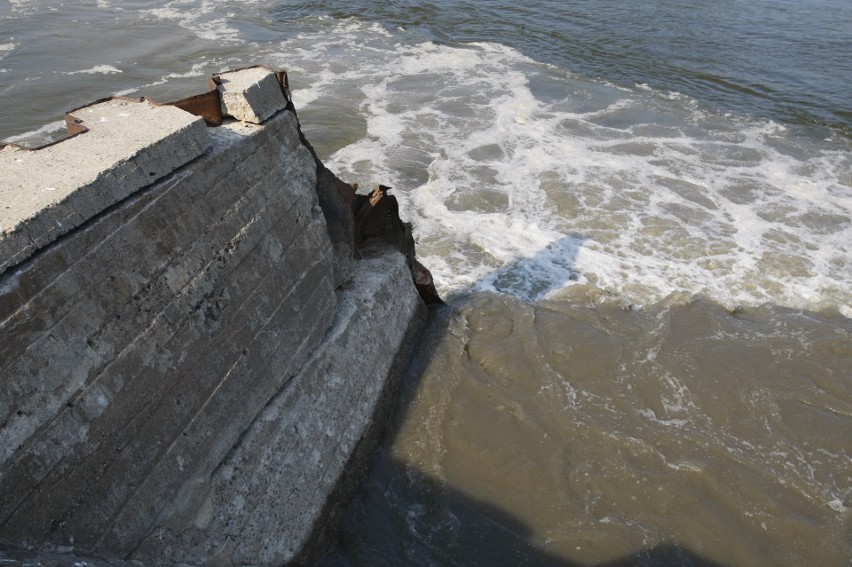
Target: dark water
x=781, y=59
x=574, y=434
x=786, y=60
x=583, y=431
x=661, y=193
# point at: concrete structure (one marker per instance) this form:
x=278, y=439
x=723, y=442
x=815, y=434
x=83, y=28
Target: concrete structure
x=251, y=95
x=129, y=145
x=192, y=361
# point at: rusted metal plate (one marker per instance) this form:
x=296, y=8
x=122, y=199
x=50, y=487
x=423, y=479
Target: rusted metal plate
x=205, y=105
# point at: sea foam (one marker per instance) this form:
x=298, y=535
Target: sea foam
x=522, y=178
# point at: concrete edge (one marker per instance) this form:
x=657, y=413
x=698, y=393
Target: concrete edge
x=37, y=214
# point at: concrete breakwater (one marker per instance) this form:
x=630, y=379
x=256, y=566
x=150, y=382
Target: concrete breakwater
x=200, y=325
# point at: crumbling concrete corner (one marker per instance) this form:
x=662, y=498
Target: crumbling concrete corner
x=200, y=329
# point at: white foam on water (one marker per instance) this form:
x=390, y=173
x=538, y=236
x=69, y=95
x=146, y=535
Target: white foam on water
x=5, y=49
x=197, y=70
x=499, y=161
x=24, y=6
x=43, y=135
x=206, y=19
x=97, y=69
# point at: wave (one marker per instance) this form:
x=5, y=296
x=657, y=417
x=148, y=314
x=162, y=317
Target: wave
x=523, y=178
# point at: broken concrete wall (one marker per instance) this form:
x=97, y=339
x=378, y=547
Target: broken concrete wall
x=188, y=366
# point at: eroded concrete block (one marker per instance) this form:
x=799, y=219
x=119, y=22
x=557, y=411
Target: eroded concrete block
x=129, y=145
x=261, y=504
x=251, y=95
x=142, y=346
x=184, y=376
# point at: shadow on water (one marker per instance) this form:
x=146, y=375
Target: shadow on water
x=402, y=515
x=441, y=526
x=532, y=278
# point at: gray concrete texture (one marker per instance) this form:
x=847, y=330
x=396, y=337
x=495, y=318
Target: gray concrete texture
x=182, y=379
x=129, y=145
x=250, y=95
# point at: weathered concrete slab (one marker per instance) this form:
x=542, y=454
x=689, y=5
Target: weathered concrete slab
x=185, y=377
x=162, y=333
x=261, y=504
x=194, y=224
x=129, y=145
x=251, y=95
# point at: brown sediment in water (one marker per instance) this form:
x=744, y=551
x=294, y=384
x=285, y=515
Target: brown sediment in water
x=587, y=433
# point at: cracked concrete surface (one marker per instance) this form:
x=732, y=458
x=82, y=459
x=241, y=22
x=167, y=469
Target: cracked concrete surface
x=186, y=373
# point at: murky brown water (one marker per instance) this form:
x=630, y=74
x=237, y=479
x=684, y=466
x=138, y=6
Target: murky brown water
x=582, y=432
